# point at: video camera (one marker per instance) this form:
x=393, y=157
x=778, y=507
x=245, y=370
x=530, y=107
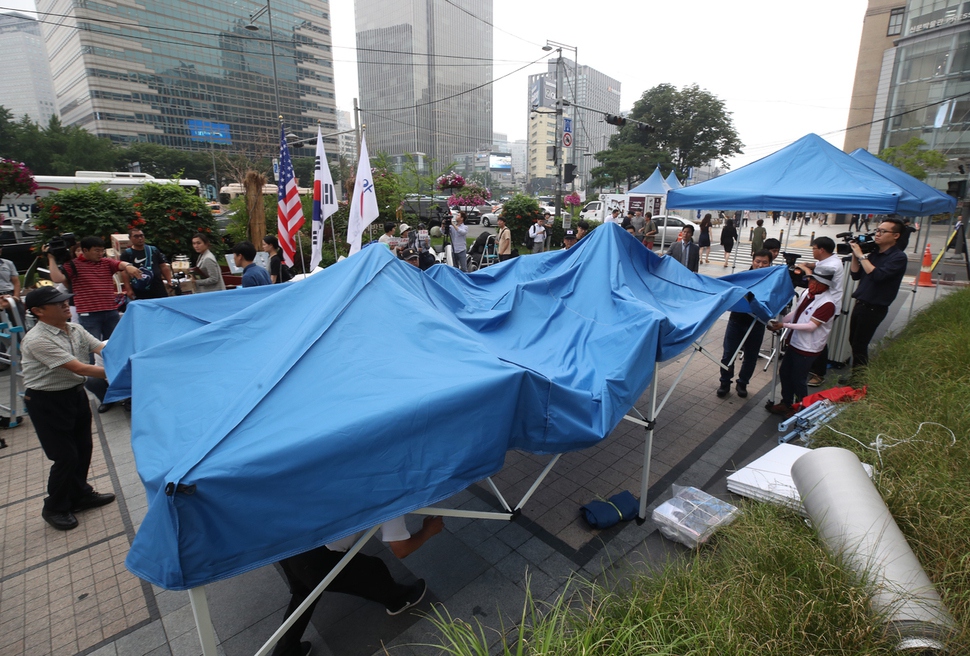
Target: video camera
x=866, y=243
x=60, y=247
x=799, y=276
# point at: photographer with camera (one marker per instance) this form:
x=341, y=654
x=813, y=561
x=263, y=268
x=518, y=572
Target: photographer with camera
x=91, y=278
x=879, y=273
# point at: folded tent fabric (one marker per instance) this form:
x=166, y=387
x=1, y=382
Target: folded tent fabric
x=286, y=411
x=604, y=514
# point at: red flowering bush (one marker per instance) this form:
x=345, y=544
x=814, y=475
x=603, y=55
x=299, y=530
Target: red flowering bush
x=169, y=215
x=15, y=179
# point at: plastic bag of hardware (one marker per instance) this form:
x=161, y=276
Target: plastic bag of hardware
x=692, y=516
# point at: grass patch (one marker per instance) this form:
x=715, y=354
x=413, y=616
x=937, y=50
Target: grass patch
x=765, y=585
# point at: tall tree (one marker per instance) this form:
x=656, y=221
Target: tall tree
x=691, y=128
x=913, y=158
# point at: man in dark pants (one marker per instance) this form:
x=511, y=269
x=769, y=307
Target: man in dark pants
x=879, y=275
x=823, y=250
x=364, y=576
x=55, y=359
x=148, y=257
x=737, y=328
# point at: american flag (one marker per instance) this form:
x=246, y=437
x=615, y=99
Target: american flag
x=289, y=215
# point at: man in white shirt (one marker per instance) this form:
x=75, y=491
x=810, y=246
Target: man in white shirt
x=364, y=576
x=537, y=233
x=459, y=241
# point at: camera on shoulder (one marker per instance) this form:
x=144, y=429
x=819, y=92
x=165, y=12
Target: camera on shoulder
x=866, y=243
x=60, y=246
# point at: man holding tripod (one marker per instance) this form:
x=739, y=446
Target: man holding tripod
x=879, y=275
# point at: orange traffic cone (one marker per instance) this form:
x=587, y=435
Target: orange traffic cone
x=926, y=270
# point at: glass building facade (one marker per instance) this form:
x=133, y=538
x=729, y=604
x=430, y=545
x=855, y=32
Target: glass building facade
x=189, y=74
x=929, y=92
x=424, y=68
x=25, y=79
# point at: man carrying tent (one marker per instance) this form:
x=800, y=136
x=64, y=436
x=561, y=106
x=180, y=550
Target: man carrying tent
x=810, y=323
x=737, y=328
x=364, y=576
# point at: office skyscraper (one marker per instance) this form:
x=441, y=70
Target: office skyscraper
x=189, y=74
x=424, y=68
x=25, y=78
x=590, y=133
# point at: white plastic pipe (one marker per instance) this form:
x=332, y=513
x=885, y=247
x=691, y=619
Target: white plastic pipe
x=854, y=523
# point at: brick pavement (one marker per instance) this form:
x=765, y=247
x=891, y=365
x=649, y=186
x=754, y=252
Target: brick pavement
x=69, y=593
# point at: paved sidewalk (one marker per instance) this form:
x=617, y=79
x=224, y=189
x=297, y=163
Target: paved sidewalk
x=69, y=593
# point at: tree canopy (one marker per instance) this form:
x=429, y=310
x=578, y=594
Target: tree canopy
x=912, y=158
x=691, y=128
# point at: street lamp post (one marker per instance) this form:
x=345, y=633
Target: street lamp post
x=558, y=47
x=252, y=27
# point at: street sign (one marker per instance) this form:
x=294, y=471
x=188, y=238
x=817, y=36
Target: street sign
x=567, y=126
x=567, y=139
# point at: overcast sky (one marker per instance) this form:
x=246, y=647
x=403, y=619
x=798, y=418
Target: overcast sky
x=783, y=69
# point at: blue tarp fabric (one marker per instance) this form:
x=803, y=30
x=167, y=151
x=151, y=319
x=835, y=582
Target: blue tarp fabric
x=922, y=199
x=810, y=175
x=267, y=422
x=655, y=185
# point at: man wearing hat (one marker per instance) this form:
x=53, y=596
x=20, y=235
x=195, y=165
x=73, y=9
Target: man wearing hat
x=411, y=256
x=569, y=239
x=810, y=323
x=55, y=362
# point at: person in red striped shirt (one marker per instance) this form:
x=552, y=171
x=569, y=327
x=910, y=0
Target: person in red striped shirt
x=91, y=278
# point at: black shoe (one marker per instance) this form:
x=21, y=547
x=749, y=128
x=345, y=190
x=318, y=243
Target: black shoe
x=104, y=407
x=63, y=521
x=412, y=597
x=723, y=390
x=742, y=390
x=93, y=500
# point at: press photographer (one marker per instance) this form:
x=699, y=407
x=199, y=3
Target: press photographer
x=879, y=272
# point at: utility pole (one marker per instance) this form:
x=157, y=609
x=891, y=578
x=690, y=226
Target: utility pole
x=357, y=125
x=559, y=125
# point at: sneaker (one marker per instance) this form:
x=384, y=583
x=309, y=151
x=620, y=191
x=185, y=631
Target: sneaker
x=723, y=390
x=742, y=390
x=412, y=597
x=814, y=380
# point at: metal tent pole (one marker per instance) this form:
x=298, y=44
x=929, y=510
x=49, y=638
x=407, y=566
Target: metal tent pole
x=203, y=621
x=648, y=443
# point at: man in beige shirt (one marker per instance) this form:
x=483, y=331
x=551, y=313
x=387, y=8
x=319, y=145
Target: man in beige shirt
x=56, y=355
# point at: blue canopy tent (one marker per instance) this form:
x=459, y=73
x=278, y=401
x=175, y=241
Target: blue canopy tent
x=809, y=175
x=673, y=182
x=291, y=415
x=922, y=199
x=655, y=185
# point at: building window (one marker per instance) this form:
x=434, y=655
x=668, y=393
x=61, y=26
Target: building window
x=896, y=21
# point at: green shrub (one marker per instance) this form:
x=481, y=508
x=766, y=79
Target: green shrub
x=90, y=211
x=169, y=215
x=518, y=214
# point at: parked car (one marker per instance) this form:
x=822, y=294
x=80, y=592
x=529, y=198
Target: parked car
x=669, y=226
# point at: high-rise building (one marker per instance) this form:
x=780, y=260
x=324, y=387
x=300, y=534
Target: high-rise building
x=190, y=74
x=540, y=165
x=922, y=83
x=424, y=68
x=25, y=77
x=585, y=86
x=882, y=25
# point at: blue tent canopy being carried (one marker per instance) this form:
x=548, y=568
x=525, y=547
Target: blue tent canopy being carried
x=267, y=422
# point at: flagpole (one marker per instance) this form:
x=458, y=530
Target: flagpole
x=299, y=240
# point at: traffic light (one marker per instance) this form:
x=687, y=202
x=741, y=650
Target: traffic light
x=957, y=188
x=551, y=153
x=643, y=127
x=568, y=173
x=614, y=119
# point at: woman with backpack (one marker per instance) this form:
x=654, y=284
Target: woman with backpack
x=278, y=271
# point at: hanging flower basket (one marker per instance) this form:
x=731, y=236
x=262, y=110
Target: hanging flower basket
x=450, y=180
x=572, y=200
x=15, y=179
x=470, y=195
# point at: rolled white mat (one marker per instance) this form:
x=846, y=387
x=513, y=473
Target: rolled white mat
x=854, y=523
